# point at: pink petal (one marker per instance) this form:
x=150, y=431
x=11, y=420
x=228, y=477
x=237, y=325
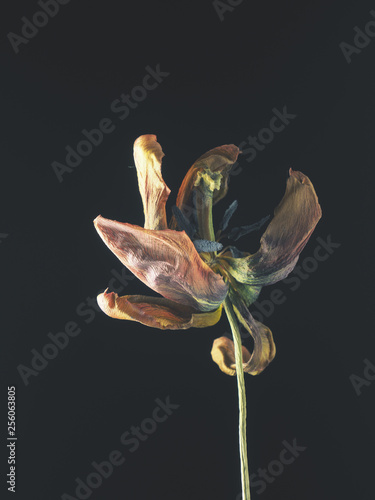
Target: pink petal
x=166, y=261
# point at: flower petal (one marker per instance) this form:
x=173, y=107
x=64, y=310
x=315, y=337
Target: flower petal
x=264, y=347
x=166, y=261
x=223, y=355
x=218, y=160
x=285, y=237
x=248, y=293
x=147, y=156
x=156, y=312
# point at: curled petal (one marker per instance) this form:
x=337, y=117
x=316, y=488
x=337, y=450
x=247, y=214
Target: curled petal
x=216, y=161
x=166, y=261
x=264, y=347
x=147, y=156
x=285, y=237
x=223, y=355
x=156, y=312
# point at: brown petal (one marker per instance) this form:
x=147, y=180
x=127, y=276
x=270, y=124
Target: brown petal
x=223, y=355
x=264, y=346
x=219, y=160
x=147, y=156
x=166, y=261
x=285, y=237
x=156, y=312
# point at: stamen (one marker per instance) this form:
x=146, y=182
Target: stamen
x=237, y=254
x=238, y=232
x=183, y=222
x=228, y=214
x=207, y=246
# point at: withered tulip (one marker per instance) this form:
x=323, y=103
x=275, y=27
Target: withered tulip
x=187, y=265
x=192, y=276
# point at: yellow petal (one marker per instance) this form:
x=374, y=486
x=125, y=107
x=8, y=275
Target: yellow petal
x=156, y=312
x=223, y=355
x=264, y=347
x=154, y=192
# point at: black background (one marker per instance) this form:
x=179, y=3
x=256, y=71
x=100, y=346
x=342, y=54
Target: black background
x=225, y=79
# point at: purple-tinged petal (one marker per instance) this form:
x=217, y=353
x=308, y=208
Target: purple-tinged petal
x=166, y=261
x=284, y=239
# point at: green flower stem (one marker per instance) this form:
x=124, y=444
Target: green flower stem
x=206, y=183
x=241, y=399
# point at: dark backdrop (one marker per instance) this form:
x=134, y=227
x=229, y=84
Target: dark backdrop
x=225, y=77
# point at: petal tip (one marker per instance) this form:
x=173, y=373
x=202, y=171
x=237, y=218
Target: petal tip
x=95, y=221
x=299, y=176
x=145, y=138
x=148, y=142
x=106, y=300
